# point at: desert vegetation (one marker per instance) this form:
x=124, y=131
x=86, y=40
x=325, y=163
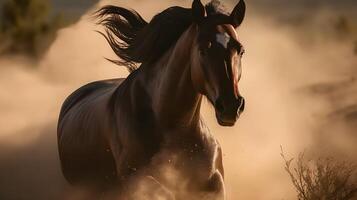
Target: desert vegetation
x=27, y=27
x=322, y=178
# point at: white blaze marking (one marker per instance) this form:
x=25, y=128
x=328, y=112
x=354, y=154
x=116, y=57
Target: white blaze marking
x=223, y=39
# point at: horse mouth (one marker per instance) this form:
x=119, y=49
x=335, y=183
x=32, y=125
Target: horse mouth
x=226, y=120
x=227, y=115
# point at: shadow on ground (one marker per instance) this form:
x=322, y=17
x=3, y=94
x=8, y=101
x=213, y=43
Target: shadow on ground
x=32, y=171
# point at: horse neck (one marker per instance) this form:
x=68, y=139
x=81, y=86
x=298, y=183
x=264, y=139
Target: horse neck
x=175, y=101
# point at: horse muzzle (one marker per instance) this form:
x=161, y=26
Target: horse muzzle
x=227, y=113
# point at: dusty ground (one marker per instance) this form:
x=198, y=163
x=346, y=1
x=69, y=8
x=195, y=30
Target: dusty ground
x=301, y=94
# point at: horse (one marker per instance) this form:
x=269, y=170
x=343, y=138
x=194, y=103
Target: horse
x=111, y=132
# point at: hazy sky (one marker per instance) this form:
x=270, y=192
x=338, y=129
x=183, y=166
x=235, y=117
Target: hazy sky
x=297, y=6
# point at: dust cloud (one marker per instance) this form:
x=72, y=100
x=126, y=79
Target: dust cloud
x=301, y=95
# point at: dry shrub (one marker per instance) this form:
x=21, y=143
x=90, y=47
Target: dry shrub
x=27, y=27
x=321, y=179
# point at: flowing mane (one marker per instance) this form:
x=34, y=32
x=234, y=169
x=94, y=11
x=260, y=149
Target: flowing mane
x=134, y=40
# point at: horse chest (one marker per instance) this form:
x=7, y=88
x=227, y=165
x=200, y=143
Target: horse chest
x=175, y=156
x=192, y=159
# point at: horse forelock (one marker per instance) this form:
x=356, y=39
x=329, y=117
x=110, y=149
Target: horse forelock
x=215, y=7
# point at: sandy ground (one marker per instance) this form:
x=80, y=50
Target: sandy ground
x=299, y=96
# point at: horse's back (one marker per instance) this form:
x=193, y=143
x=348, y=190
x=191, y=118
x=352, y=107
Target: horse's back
x=83, y=149
x=83, y=92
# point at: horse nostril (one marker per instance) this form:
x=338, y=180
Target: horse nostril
x=219, y=105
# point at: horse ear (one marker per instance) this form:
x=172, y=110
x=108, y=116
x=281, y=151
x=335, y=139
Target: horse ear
x=198, y=11
x=238, y=14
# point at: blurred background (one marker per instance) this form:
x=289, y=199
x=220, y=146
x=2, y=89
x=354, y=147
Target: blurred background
x=299, y=79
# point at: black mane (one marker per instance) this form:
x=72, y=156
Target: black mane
x=134, y=40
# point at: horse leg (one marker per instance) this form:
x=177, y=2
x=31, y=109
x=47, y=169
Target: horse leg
x=215, y=189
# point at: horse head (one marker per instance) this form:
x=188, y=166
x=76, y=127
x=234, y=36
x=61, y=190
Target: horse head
x=216, y=58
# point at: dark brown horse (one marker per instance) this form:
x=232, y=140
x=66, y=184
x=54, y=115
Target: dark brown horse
x=148, y=125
